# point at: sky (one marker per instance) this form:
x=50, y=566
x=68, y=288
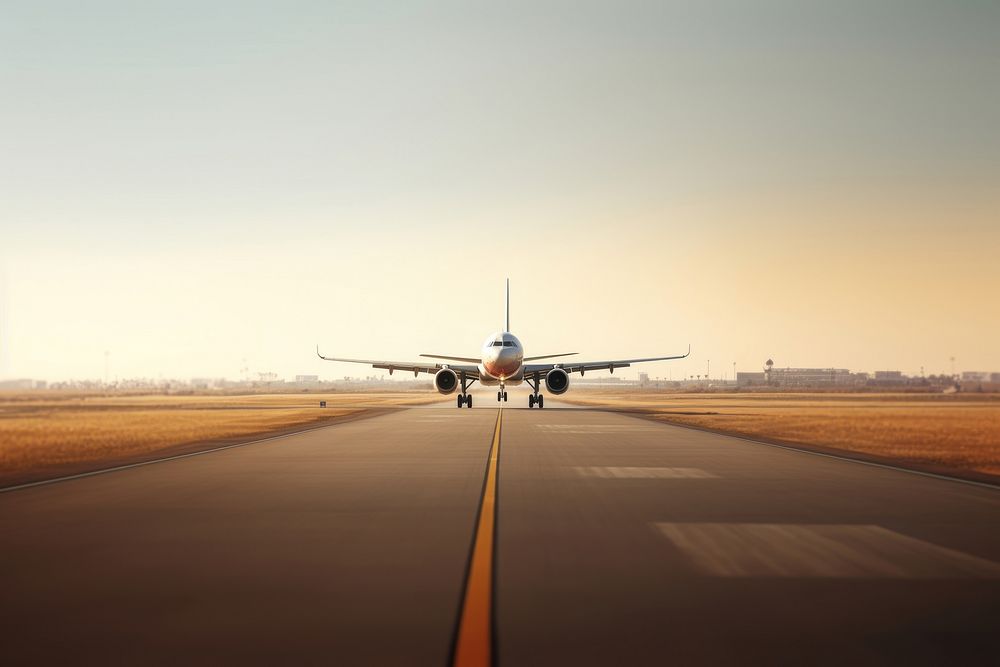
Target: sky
x=197, y=188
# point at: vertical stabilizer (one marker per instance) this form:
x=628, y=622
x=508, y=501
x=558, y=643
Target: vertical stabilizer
x=507, y=325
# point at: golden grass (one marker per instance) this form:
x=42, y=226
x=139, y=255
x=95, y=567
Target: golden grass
x=42, y=437
x=960, y=431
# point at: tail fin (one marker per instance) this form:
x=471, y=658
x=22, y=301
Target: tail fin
x=507, y=327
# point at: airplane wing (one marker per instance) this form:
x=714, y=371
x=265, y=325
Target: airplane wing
x=450, y=358
x=550, y=356
x=582, y=367
x=472, y=372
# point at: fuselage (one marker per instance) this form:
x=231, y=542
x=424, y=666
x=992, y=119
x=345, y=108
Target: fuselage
x=503, y=360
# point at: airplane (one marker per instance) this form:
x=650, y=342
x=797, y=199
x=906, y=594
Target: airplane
x=501, y=363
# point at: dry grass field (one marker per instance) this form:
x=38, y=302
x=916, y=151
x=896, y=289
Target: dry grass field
x=44, y=435
x=960, y=432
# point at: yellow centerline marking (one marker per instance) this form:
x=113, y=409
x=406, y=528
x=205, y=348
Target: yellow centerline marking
x=474, y=641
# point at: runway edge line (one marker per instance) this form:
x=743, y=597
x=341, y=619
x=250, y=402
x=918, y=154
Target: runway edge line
x=474, y=636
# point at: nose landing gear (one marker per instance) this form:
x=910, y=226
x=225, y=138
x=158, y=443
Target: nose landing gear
x=502, y=396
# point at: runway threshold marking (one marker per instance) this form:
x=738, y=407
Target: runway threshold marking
x=769, y=550
x=474, y=638
x=632, y=472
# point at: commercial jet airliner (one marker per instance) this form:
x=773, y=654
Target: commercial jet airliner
x=501, y=363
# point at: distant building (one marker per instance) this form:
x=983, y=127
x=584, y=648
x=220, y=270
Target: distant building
x=809, y=377
x=745, y=379
x=307, y=378
x=889, y=378
x=995, y=377
x=643, y=378
x=17, y=385
x=976, y=376
x=207, y=383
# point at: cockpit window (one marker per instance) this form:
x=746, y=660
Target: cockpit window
x=498, y=343
x=508, y=343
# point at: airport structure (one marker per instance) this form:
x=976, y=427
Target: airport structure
x=811, y=377
x=890, y=377
x=800, y=377
x=772, y=376
x=751, y=378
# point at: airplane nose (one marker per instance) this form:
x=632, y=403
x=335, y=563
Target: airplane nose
x=508, y=358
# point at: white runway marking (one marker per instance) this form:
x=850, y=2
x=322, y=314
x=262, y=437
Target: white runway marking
x=593, y=429
x=612, y=472
x=820, y=551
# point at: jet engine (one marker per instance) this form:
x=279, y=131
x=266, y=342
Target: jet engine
x=557, y=381
x=446, y=381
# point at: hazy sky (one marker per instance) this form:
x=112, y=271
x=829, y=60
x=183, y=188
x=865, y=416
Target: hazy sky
x=194, y=184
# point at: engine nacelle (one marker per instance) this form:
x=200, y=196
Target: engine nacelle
x=446, y=381
x=557, y=381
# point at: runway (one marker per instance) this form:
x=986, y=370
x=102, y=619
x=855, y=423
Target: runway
x=616, y=541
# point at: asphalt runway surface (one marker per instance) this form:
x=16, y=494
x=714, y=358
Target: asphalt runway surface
x=616, y=541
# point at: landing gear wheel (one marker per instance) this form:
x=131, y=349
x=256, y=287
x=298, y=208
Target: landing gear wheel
x=531, y=401
x=461, y=399
x=505, y=397
x=468, y=401
x=541, y=401
x=499, y=396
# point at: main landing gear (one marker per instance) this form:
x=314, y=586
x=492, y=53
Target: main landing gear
x=502, y=396
x=535, y=399
x=465, y=398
